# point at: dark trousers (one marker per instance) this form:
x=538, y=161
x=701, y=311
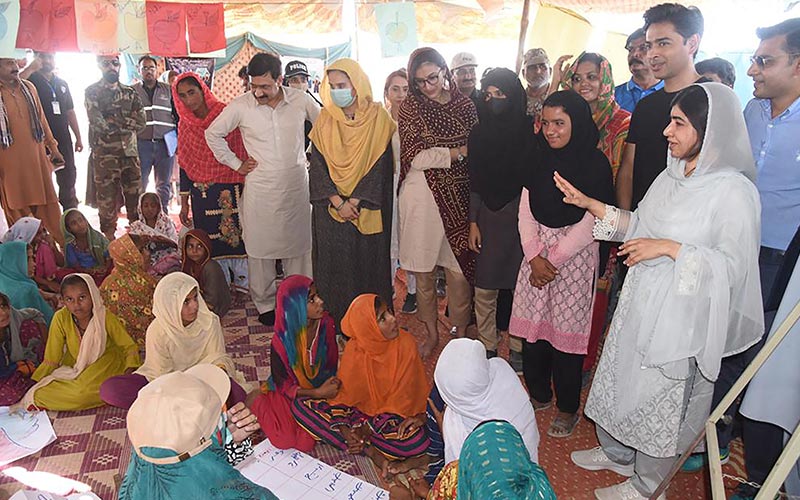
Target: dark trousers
x=154, y=156
x=541, y=362
x=763, y=442
x=505, y=298
x=65, y=177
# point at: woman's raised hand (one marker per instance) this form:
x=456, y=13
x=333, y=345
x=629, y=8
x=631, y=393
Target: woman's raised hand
x=572, y=195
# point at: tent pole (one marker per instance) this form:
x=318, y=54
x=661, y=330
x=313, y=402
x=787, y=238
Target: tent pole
x=523, y=31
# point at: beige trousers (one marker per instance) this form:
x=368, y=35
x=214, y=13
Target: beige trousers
x=486, y=318
x=459, y=297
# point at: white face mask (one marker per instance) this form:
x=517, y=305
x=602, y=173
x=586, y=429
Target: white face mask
x=342, y=97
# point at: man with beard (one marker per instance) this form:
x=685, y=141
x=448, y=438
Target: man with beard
x=26, y=187
x=463, y=66
x=536, y=70
x=275, y=209
x=642, y=82
x=59, y=110
x=116, y=115
x=673, y=34
x=153, y=154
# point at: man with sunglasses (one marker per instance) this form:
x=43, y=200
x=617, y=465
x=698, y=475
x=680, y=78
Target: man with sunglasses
x=773, y=124
x=116, y=115
x=642, y=82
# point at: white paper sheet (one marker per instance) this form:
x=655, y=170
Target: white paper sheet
x=40, y=495
x=23, y=435
x=293, y=475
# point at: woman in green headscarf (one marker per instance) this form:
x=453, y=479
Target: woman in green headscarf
x=494, y=463
x=16, y=271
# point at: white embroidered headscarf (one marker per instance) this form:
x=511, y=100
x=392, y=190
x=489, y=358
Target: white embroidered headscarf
x=93, y=343
x=476, y=389
x=25, y=229
x=708, y=305
x=171, y=346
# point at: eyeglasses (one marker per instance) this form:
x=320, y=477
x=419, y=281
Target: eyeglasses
x=766, y=61
x=468, y=70
x=112, y=62
x=431, y=80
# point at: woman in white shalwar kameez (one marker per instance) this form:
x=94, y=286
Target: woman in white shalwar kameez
x=691, y=297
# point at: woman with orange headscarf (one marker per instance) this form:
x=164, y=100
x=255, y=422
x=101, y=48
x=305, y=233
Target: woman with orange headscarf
x=350, y=179
x=380, y=407
x=128, y=290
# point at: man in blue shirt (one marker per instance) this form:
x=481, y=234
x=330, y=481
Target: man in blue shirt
x=642, y=83
x=773, y=124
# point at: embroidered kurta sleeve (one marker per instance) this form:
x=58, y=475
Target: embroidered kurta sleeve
x=578, y=237
x=219, y=129
x=615, y=226
x=528, y=229
x=119, y=336
x=431, y=158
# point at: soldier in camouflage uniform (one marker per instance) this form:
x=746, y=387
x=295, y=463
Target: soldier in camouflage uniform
x=115, y=116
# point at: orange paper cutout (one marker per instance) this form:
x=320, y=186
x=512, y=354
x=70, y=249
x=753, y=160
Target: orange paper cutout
x=206, y=24
x=47, y=26
x=97, y=22
x=166, y=28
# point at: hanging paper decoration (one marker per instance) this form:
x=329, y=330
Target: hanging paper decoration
x=206, y=24
x=166, y=28
x=47, y=25
x=132, y=27
x=97, y=22
x=397, y=26
x=9, y=22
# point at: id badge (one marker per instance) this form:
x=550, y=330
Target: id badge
x=56, y=108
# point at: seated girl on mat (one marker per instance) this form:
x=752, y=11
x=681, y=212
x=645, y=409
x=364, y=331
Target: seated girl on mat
x=22, y=334
x=197, y=263
x=160, y=232
x=380, y=406
x=17, y=266
x=303, y=361
x=46, y=253
x=85, y=346
x=183, y=334
x=128, y=290
x=86, y=248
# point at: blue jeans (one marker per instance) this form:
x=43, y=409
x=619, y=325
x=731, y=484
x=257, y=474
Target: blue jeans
x=153, y=155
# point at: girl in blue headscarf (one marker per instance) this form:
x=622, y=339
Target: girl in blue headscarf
x=16, y=268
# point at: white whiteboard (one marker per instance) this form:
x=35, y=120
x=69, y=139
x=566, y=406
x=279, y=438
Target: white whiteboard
x=293, y=475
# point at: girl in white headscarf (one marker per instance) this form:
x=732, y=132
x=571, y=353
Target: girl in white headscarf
x=184, y=333
x=692, y=295
x=477, y=389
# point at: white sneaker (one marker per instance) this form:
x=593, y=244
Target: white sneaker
x=622, y=491
x=596, y=459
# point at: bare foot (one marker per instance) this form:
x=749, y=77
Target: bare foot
x=403, y=466
x=420, y=487
x=379, y=460
x=399, y=492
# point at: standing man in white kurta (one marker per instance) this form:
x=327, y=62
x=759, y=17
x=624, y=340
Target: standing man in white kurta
x=275, y=211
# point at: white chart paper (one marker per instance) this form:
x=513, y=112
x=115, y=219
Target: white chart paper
x=23, y=435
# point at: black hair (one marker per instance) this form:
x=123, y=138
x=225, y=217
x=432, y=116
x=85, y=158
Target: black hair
x=154, y=195
x=146, y=58
x=69, y=216
x=720, y=67
x=790, y=28
x=265, y=63
x=4, y=300
x=422, y=56
x=634, y=36
x=398, y=72
x=73, y=280
x=191, y=81
x=591, y=57
x=687, y=21
x=379, y=302
x=693, y=101
x=243, y=72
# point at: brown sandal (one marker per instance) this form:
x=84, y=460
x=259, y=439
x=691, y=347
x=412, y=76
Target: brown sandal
x=563, y=425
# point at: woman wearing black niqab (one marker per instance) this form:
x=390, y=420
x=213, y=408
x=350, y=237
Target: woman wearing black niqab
x=500, y=146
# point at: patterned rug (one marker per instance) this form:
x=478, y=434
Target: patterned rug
x=92, y=445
